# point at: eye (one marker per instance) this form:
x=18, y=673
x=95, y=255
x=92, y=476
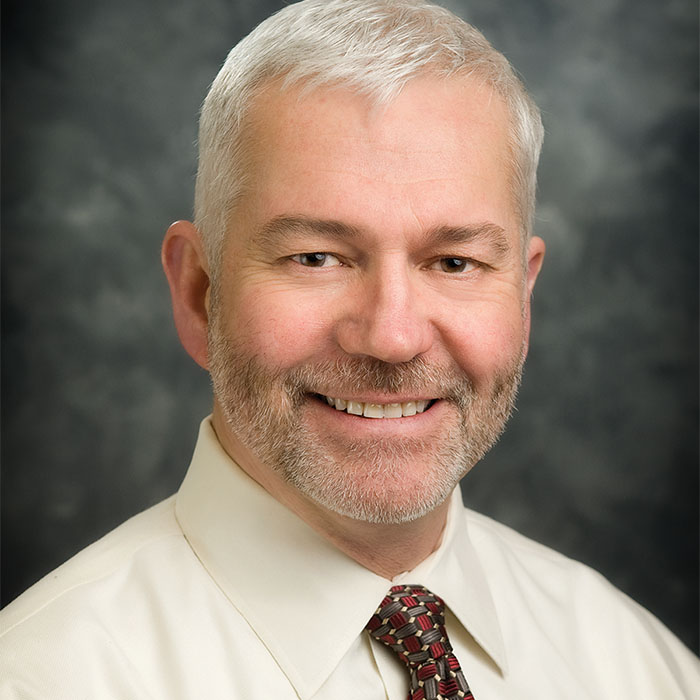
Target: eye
x=454, y=265
x=316, y=259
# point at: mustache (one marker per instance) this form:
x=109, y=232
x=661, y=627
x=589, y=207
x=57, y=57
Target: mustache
x=355, y=374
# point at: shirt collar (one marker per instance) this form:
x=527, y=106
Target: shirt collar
x=289, y=583
x=454, y=573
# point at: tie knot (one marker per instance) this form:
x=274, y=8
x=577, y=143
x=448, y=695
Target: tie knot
x=411, y=620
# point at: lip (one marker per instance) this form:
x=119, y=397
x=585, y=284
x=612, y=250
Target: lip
x=377, y=398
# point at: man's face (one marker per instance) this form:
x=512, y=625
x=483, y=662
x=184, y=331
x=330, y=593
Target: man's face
x=375, y=263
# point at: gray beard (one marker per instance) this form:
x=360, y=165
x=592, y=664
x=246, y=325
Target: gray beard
x=265, y=409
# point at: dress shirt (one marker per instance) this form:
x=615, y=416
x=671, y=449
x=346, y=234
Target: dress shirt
x=221, y=592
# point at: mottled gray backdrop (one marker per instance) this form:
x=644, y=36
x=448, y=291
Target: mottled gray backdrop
x=100, y=404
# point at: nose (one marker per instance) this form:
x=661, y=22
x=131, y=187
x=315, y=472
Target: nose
x=386, y=317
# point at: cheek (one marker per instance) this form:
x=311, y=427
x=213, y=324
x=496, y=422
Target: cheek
x=487, y=341
x=280, y=329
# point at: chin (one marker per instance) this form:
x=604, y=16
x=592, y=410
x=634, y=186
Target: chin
x=394, y=484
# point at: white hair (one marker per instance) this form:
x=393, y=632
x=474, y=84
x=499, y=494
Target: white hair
x=373, y=47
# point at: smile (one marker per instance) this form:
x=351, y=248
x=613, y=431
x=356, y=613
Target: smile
x=378, y=410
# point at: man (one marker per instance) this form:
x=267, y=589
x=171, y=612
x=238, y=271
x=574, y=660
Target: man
x=357, y=282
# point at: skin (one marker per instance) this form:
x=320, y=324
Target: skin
x=433, y=158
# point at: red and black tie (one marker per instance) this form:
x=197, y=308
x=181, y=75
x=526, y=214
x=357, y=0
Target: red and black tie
x=411, y=620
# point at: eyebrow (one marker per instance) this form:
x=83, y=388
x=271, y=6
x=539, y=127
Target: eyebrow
x=482, y=232
x=276, y=230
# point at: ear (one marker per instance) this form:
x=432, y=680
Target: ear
x=535, y=258
x=187, y=271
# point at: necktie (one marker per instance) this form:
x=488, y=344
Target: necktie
x=411, y=620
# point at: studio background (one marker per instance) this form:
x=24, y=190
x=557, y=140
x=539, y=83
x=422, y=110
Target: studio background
x=101, y=406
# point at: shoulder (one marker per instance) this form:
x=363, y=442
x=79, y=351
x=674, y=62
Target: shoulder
x=77, y=626
x=523, y=569
x=577, y=611
x=498, y=545
x=91, y=568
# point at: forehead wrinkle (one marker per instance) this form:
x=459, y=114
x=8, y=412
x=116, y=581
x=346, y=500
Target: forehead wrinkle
x=275, y=231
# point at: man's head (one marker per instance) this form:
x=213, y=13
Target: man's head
x=369, y=47
x=373, y=259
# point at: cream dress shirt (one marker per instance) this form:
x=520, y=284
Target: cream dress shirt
x=221, y=592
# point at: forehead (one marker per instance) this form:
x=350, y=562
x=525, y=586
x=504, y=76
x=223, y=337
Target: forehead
x=438, y=150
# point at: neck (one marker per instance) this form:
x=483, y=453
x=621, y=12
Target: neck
x=385, y=549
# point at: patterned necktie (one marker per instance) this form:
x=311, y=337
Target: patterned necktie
x=411, y=620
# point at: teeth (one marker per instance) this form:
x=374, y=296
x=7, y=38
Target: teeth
x=355, y=408
x=392, y=410
x=409, y=408
x=373, y=410
x=378, y=410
